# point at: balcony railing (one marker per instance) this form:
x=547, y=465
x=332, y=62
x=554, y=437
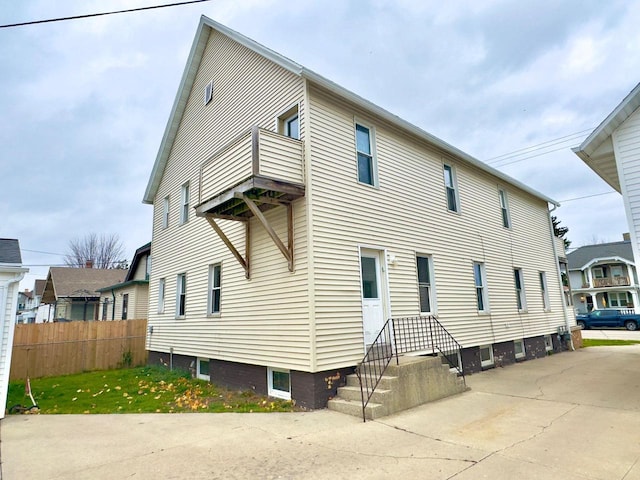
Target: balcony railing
x=611, y=282
x=255, y=153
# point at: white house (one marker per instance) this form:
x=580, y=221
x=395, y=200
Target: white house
x=293, y=217
x=612, y=150
x=603, y=275
x=11, y=272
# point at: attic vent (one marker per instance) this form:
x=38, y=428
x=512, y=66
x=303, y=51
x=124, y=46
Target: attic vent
x=208, y=92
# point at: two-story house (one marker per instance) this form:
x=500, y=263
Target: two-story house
x=128, y=299
x=603, y=275
x=293, y=217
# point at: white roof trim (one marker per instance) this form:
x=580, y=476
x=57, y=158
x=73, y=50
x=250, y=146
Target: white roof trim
x=593, y=261
x=193, y=62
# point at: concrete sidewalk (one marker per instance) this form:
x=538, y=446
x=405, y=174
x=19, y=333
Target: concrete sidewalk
x=568, y=416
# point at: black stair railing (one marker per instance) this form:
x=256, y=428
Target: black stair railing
x=423, y=334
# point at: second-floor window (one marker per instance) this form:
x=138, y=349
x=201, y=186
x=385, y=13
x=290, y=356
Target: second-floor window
x=544, y=291
x=366, y=160
x=504, y=209
x=451, y=188
x=161, y=285
x=519, y=284
x=184, y=207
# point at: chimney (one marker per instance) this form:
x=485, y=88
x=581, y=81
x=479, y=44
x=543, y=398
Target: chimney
x=88, y=264
x=626, y=237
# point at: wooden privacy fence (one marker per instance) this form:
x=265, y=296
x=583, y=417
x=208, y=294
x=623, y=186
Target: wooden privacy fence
x=49, y=349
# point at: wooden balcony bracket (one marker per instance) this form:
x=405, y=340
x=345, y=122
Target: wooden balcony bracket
x=244, y=261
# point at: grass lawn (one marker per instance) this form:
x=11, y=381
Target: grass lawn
x=137, y=390
x=593, y=342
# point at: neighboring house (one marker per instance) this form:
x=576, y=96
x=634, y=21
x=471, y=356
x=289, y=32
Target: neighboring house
x=73, y=292
x=129, y=299
x=26, y=311
x=612, y=150
x=11, y=272
x=292, y=218
x=43, y=311
x=603, y=275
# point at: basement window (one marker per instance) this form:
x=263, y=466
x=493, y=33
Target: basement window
x=279, y=383
x=548, y=343
x=202, y=371
x=486, y=355
x=518, y=348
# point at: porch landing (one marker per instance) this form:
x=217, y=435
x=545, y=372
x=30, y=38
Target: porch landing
x=415, y=381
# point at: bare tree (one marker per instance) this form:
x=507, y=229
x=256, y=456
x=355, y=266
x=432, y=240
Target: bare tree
x=99, y=251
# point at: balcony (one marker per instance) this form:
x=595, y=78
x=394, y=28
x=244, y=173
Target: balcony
x=256, y=172
x=611, y=282
x=261, y=165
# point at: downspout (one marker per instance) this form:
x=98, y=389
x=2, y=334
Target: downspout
x=555, y=257
x=113, y=308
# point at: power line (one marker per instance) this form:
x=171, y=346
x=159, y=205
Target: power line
x=586, y=196
x=46, y=253
x=76, y=17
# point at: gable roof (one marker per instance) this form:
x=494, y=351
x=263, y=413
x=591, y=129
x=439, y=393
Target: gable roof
x=603, y=162
x=39, y=286
x=10, y=251
x=207, y=25
x=582, y=256
x=141, y=252
x=70, y=282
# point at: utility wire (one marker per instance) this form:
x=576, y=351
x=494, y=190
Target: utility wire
x=587, y=196
x=76, y=17
x=46, y=253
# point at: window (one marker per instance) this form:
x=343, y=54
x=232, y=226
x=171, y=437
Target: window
x=486, y=355
x=481, y=290
x=165, y=212
x=202, y=369
x=366, y=164
x=548, y=343
x=125, y=305
x=598, y=272
x=619, y=299
x=450, y=187
x=147, y=267
x=184, y=211
x=518, y=348
x=215, y=276
x=544, y=291
x=208, y=92
x=161, y=285
x=424, y=283
x=292, y=127
x=105, y=307
x=369, y=271
x=181, y=295
x=616, y=271
x=279, y=383
x=504, y=208
x=519, y=283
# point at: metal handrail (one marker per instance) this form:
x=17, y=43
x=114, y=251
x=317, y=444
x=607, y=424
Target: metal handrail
x=424, y=334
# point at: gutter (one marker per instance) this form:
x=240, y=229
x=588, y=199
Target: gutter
x=555, y=258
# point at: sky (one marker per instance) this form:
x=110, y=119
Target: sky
x=84, y=103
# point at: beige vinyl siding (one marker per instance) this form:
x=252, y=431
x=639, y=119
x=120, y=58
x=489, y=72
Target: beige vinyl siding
x=138, y=302
x=263, y=320
x=626, y=144
x=281, y=157
x=227, y=168
x=408, y=215
x=141, y=269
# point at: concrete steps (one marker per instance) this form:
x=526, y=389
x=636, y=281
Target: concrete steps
x=412, y=382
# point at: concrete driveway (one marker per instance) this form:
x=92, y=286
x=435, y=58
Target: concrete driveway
x=568, y=416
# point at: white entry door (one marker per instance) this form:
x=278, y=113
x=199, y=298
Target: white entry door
x=373, y=311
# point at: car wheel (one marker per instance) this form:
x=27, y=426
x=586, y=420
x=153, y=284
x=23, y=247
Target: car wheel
x=631, y=325
x=582, y=325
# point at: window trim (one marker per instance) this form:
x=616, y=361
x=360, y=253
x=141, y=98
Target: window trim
x=453, y=187
x=181, y=291
x=125, y=306
x=272, y=392
x=185, y=198
x=162, y=288
x=523, y=353
x=431, y=285
x=504, y=208
x=165, y=212
x=208, y=92
x=548, y=343
x=373, y=162
x=211, y=287
x=521, y=297
x=284, y=117
x=481, y=288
